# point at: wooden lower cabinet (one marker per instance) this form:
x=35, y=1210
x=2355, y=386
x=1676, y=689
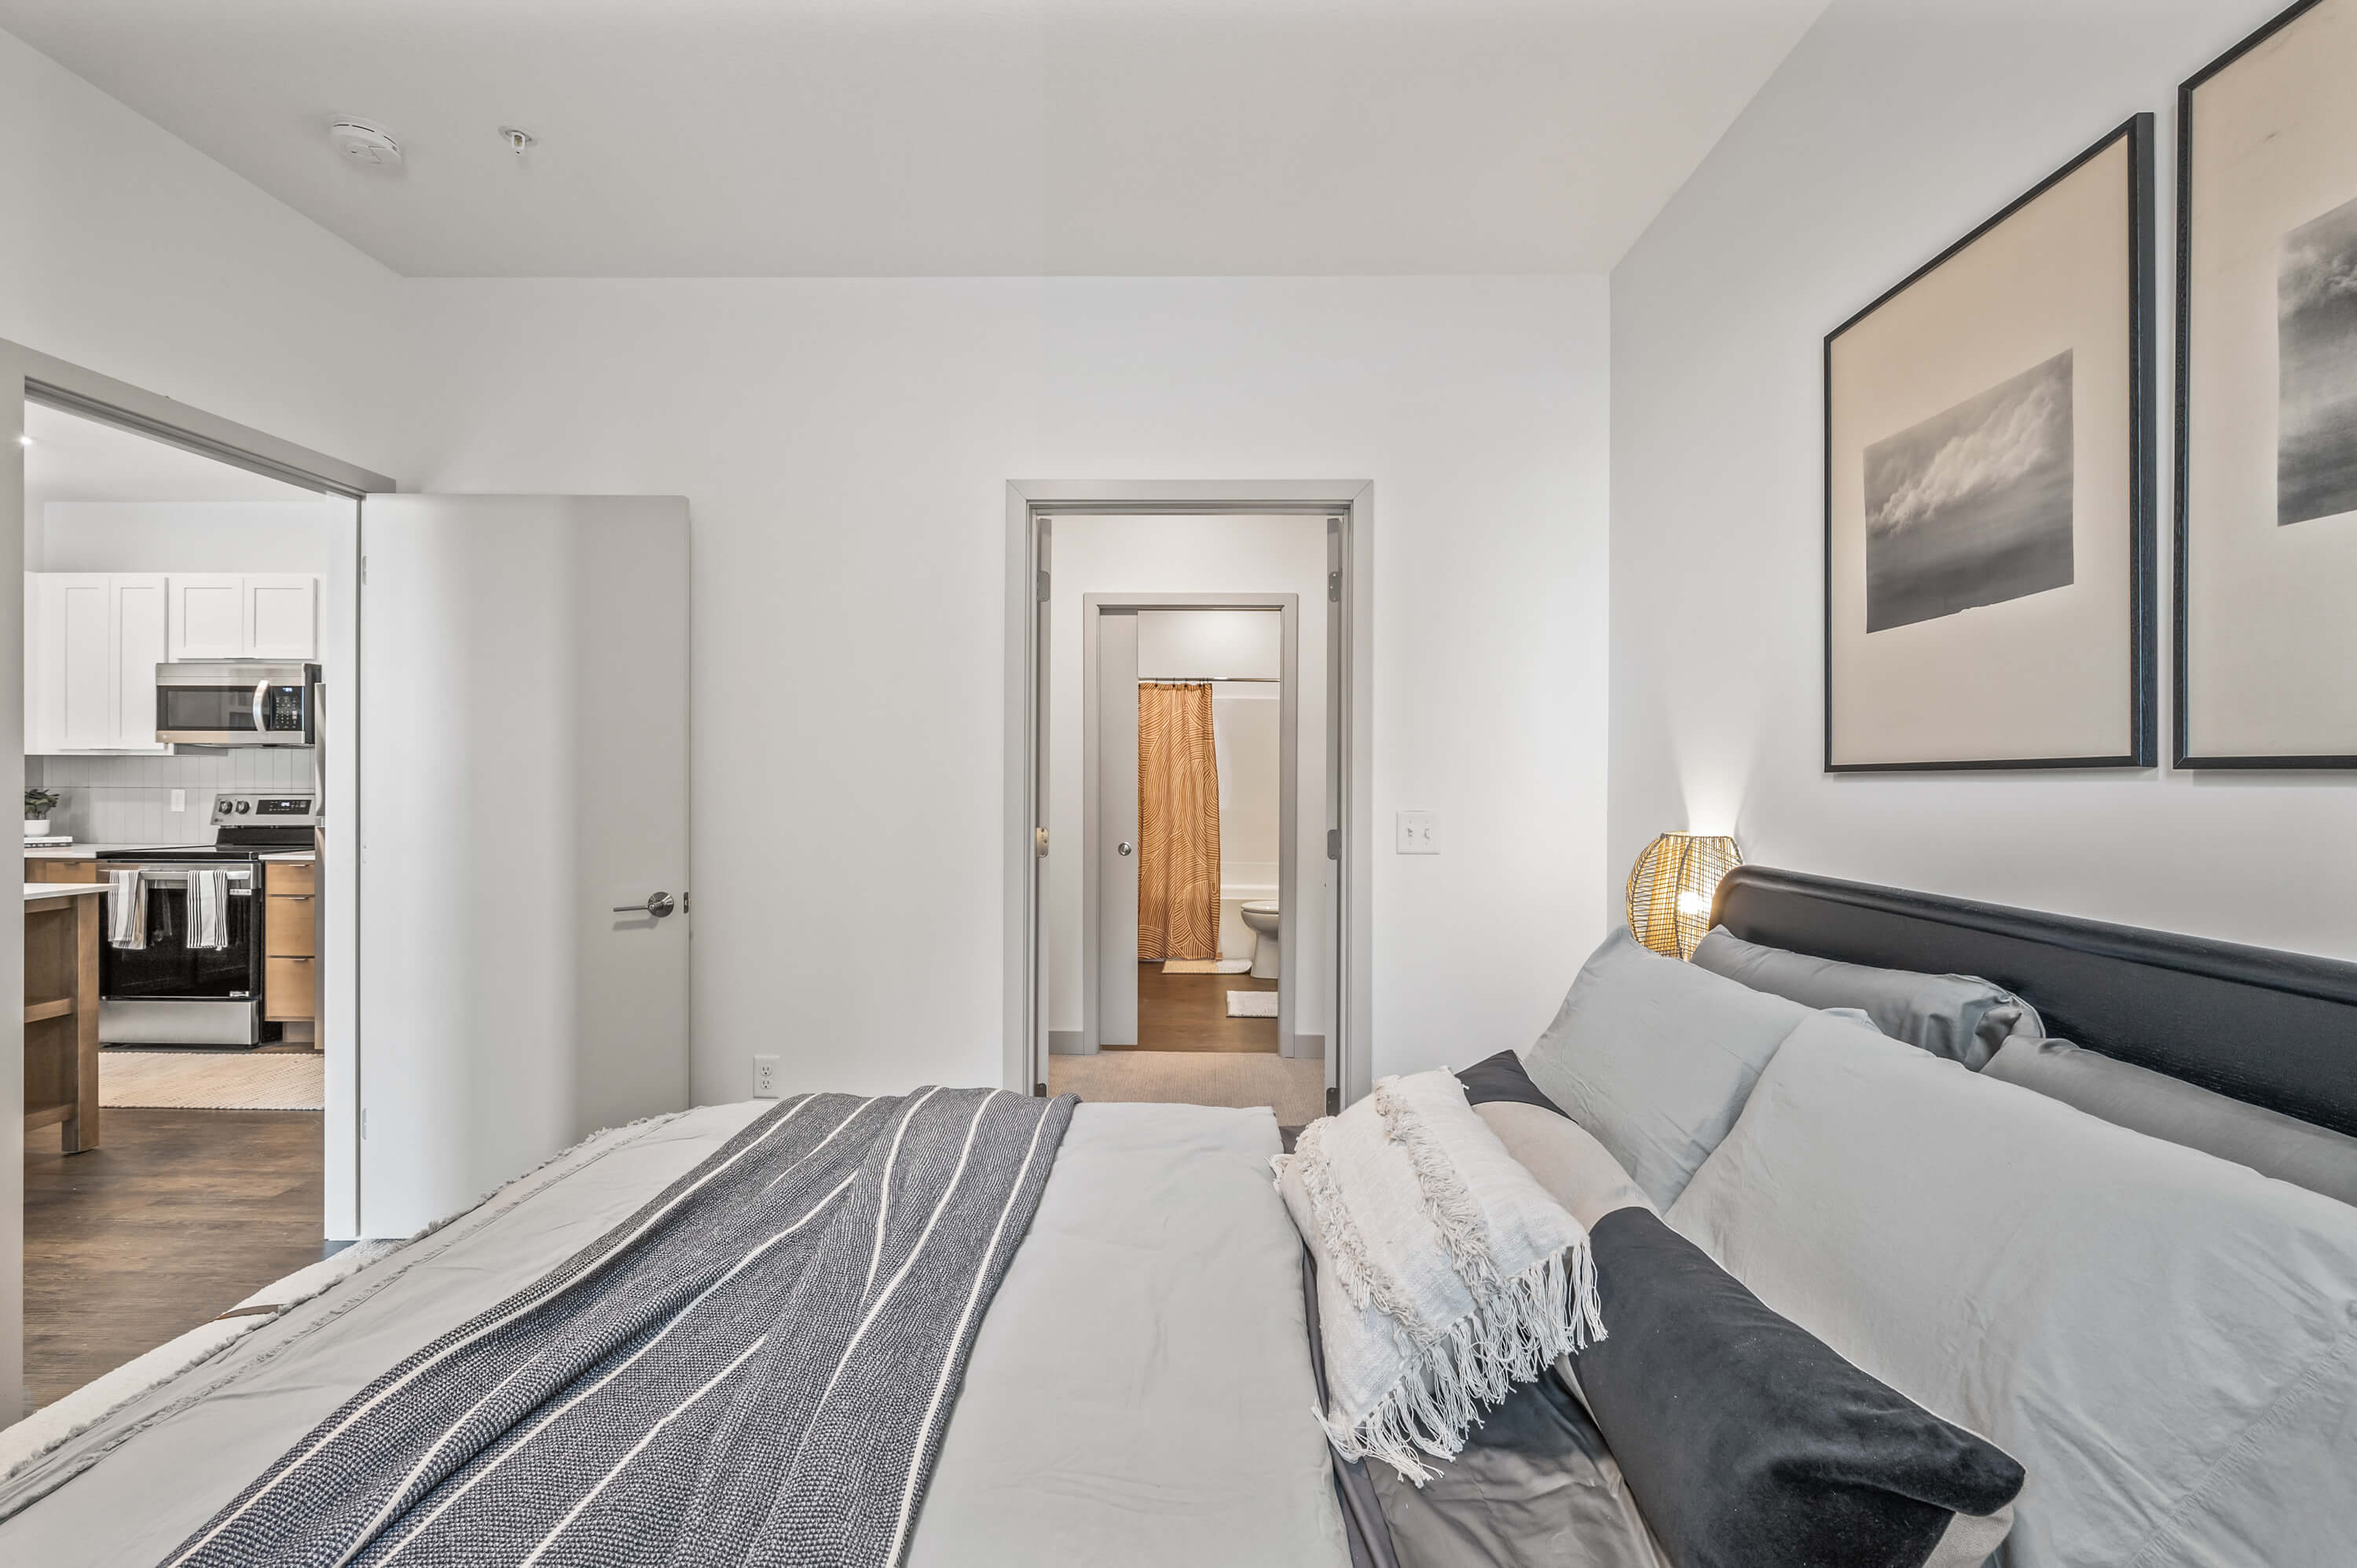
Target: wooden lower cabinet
x=290, y=931
x=290, y=990
x=47, y=869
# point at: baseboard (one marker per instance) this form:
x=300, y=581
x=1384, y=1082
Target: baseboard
x=1066, y=1043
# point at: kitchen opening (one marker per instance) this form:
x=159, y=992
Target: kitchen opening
x=186, y=638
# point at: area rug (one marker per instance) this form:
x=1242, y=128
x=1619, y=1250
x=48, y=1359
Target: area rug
x=212, y=1080
x=1207, y=966
x=1252, y=1004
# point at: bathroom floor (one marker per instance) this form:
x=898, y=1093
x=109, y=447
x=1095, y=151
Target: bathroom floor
x=1189, y=1013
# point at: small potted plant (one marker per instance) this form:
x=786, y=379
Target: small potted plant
x=39, y=803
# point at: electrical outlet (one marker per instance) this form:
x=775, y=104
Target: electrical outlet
x=179, y=799
x=765, y=1077
x=1419, y=832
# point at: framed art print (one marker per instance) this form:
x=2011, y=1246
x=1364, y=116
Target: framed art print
x=1989, y=491
x=2267, y=399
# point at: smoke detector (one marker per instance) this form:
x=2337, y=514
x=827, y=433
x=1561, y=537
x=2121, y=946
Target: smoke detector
x=363, y=143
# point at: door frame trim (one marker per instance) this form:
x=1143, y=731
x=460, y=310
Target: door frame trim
x=28, y=375
x=1350, y=1050
x=1288, y=607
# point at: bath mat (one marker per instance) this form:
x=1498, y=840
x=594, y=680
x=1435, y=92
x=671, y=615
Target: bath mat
x=1208, y=966
x=1252, y=1004
x=212, y=1080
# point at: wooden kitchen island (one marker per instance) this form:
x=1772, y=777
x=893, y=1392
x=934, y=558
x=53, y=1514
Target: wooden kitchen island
x=61, y=938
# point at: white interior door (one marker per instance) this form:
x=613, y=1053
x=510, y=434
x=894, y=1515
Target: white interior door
x=523, y=771
x=1116, y=837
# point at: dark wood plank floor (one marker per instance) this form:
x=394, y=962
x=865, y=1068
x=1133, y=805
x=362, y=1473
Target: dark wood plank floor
x=176, y=1216
x=1189, y=1013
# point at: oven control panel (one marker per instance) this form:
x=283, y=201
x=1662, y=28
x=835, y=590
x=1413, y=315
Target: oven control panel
x=238, y=809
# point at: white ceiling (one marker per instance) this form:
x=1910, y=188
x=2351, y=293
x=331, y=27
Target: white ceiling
x=74, y=459
x=951, y=138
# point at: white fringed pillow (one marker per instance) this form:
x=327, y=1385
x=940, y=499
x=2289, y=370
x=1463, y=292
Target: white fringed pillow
x=1446, y=1274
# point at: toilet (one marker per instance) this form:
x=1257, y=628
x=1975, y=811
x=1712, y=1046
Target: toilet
x=1259, y=919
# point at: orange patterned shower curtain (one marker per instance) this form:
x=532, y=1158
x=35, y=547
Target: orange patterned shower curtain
x=1177, y=823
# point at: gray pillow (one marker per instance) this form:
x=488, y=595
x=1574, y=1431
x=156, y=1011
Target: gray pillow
x=1958, y=1016
x=2160, y=1106
x=2167, y=1342
x=1655, y=1057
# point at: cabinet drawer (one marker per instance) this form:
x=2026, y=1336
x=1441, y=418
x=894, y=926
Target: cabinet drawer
x=290, y=989
x=283, y=878
x=290, y=927
x=46, y=870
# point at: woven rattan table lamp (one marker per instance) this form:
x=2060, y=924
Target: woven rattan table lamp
x=1671, y=887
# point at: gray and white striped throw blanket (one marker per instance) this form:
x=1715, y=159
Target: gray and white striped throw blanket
x=757, y=1367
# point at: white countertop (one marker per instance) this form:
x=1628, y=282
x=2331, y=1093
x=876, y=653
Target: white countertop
x=294, y=854
x=99, y=851
x=60, y=889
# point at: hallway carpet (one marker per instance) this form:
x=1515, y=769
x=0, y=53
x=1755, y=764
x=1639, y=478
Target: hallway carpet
x=1294, y=1087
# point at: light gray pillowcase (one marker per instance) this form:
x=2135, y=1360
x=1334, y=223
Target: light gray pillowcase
x=1565, y=1158
x=1655, y=1057
x=2153, y=1104
x=1959, y=1017
x=2167, y=1342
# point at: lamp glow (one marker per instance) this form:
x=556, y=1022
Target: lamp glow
x=1671, y=888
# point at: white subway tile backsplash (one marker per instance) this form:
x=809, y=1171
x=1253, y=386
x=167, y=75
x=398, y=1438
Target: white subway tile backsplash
x=127, y=799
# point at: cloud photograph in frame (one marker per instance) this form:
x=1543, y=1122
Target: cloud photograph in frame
x=1973, y=506
x=2316, y=334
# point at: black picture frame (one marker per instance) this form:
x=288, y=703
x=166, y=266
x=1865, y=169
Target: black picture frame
x=2181, y=754
x=2140, y=134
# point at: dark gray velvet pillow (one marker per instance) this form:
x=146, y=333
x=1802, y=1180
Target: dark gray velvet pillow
x=1750, y=1444
x=1958, y=1016
x=2179, y=1113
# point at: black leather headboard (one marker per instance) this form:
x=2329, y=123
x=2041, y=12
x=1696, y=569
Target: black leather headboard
x=2277, y=1029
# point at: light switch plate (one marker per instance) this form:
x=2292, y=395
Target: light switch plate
x=179, y=799
x=1419, y=832
x=765, y=1077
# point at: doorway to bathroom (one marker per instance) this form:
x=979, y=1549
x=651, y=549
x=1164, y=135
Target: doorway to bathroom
x=1189, y=827
x=1190, y=870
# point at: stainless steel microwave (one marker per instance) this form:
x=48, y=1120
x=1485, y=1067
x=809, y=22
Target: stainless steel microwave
x=238, y=703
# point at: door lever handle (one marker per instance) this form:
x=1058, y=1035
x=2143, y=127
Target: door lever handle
x=657, y=904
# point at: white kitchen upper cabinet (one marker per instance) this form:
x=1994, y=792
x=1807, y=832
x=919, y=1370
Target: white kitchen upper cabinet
x=77, y=614
x=209, y=618
x=282, y=617
x=91, y=644
x=139, y=616
x=217, y=616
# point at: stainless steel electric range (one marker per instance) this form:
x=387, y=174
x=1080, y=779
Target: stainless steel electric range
x=168, y=993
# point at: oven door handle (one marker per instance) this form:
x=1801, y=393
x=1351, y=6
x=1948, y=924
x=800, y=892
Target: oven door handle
x=177, y=876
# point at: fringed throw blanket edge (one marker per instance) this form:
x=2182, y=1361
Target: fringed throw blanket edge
x=1518, y=1326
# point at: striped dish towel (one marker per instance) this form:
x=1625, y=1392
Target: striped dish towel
x=208, y=908
x=127, y=909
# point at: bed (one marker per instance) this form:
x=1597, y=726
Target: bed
x=1142, y=1389
x=1139, y=1390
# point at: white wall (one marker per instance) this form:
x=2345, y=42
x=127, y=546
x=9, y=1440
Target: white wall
x=845, y=445
x=1895, y=127
x=125, y=251
x=183, y=536
x=1281, y=554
